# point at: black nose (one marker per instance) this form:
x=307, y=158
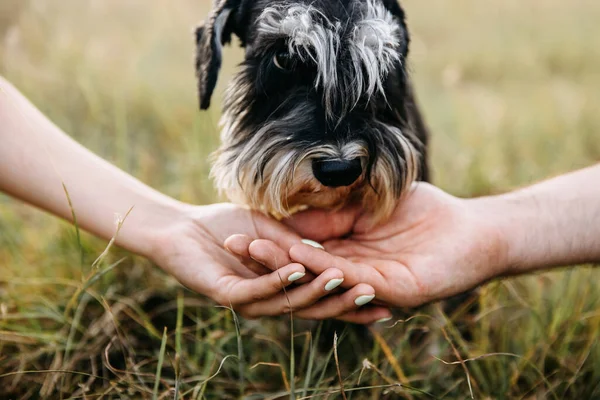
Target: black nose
x=337, y=173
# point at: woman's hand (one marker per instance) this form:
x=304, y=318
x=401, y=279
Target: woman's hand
x=38, y=162
x=191, y=249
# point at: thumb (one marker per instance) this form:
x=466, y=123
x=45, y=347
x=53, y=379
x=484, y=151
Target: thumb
x=321, y=225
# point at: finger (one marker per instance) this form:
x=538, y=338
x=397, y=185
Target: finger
x=336, y=306
x=297, y=298
x=368, y=315
x=238, y=291
x=239, y=246
x=272, y=256
x=269, y=254
x=318, y=261
x=270, y=229
x=347, y=248
x=321, y=225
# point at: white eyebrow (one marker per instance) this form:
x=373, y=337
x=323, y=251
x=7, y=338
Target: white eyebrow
x=372, y=44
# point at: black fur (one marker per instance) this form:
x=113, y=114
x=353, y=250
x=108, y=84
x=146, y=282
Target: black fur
x=270, y=95
x=273, y=93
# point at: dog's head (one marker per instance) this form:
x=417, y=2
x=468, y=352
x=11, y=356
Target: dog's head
x=317, y=115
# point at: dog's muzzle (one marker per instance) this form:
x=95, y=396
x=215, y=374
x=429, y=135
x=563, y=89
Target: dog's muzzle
x=337, y=173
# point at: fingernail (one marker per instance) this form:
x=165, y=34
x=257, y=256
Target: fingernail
x=295, y=276
x=313, y=244
x=386, y=319
x=332, y=284
x=362, y=300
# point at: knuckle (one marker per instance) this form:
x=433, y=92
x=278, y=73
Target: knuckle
x=315, y=316
x=247, y=314
x=286, y=309
x=221, y=299
x=256, y=296
x=276, y=284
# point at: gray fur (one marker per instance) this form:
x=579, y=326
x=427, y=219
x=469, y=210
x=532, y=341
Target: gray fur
x=372, y=45
x=266, y=163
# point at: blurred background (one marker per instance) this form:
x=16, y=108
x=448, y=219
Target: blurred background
x=509, y=89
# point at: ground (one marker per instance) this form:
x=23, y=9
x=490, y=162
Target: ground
x=510, y=91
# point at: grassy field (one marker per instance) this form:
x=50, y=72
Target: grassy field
x=510, y=91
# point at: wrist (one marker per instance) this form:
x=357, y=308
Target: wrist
x=554, y=223
x=491, y=236
x=519, y=221
x=149, y=224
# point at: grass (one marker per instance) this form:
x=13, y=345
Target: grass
x=510, y=90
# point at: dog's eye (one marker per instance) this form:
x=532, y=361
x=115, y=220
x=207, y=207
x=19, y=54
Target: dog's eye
x=284, y=61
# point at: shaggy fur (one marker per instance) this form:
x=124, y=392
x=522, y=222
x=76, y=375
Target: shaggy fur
x=342, y=93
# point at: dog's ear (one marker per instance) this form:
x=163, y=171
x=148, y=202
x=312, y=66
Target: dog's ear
x=210, y=38
x=397, y=11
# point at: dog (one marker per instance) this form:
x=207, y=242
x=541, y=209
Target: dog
x=322, y=112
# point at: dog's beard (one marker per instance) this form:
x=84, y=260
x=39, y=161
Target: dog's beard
x=268, y=170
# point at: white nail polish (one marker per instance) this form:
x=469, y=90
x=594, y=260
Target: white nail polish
x=313, y=244
x=332, y=284
x=295, y=276
x=386, y=319
x=362, y=300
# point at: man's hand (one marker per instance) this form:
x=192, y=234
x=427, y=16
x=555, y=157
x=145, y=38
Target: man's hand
x=434, y=246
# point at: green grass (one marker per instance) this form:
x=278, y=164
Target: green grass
x=510, y=91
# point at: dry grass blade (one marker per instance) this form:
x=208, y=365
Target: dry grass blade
x=178, y=349
x=389, y=355
x=481, y=357
x=16, y=337
x=179, y=325
x=354, y=390
x=286, y=383
x=461, y=361
x=240, y=349
x=272, y=341
x=337, y=366
x=366, y=365
x=292, y=346
x=119, y=222
x=592, y=342
x=524, y=359
x=95, y=276
x=77, y=232
x=292, y=353
x=51, y=371
x=204, y=382
x=73, y=329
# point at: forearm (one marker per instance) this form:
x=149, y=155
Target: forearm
x=37, y=158
x=553, y=223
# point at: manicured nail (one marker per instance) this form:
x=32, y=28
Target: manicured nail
x=386, y=319
x=332, y=284
x=295, y=276
x=362, y=300
x=313, y=244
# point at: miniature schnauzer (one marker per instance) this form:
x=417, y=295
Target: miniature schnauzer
x=322, y=112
